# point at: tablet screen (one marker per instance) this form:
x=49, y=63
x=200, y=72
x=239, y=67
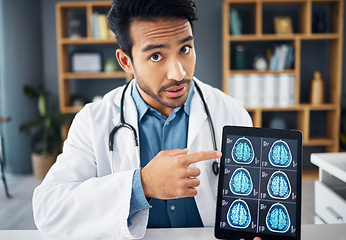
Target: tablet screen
x=260, y=187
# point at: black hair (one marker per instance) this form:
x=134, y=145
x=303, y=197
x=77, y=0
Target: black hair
x=123, y=12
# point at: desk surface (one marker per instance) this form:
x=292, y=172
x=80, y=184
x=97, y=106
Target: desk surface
x=333, y=163
x=309, y=232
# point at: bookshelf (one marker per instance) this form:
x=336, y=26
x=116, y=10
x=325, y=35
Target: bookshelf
x=258, y=29
x=87, y=39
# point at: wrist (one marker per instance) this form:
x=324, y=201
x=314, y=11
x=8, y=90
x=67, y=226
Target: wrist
x=145, y=185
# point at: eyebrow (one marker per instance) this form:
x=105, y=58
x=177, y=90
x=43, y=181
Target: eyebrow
x=189, y=38
x=158, y=46
x=154, y=46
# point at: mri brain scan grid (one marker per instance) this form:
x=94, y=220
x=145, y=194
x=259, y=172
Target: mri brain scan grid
x=260, y=190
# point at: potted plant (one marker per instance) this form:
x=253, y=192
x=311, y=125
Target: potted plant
x=46, y=140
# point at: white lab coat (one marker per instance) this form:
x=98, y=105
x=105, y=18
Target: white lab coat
x=81, y=199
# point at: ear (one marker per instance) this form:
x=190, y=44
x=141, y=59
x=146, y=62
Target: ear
x=124, y=61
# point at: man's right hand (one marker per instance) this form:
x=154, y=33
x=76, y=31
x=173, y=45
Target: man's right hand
x=169, y=175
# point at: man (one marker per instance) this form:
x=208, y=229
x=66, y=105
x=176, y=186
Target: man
x=89, y=195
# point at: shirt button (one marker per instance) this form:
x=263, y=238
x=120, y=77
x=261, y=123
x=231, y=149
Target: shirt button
x=167, y=123
x=172, y=207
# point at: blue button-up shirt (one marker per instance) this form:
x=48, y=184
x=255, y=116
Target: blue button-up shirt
x=156, y=133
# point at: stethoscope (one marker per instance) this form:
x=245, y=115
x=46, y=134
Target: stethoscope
x=216, y=163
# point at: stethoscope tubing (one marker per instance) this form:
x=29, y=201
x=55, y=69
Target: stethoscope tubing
x=216, y=164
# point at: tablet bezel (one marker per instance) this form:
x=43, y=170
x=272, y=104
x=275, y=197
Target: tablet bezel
x=258, y=132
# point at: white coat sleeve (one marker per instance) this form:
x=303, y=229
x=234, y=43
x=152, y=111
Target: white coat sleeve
x=72, y=202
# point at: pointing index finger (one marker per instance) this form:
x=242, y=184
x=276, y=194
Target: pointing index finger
x=202, y=156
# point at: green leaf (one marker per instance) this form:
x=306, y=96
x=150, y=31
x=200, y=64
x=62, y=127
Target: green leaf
x=42, y=105
x=31, y=92
x=32, y=127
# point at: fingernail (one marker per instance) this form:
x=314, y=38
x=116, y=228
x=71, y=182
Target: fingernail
x=218, y=154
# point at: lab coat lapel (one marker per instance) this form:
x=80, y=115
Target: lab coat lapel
x=124, y=138
x=197, y=118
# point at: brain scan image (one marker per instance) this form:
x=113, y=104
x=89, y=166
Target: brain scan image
x=279, y=186
x=239, y=215
x=278, y=219
x=280, y=154
x=243, y=152
x=241, y=182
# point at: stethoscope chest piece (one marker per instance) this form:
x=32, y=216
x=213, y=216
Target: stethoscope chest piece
x=216, y=167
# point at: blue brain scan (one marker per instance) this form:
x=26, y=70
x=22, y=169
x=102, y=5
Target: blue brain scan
x=243, y=152
x=241, y=182
x=279, y=185
x=238, y=215
x=280, y=154
x=278, y=219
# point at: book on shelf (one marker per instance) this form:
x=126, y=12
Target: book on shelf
x=237, y=88
x=258, y=90
x=282, y=58
x=103, y=26
x=290, y=58
x=94, y=25
x=100, y=28
x=235, y=22
x=254, y=90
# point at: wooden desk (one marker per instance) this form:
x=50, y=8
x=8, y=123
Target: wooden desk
x=309, y=232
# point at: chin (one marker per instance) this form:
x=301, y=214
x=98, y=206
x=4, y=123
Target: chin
x=177, y=102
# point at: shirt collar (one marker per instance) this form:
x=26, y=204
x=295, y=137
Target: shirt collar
x=142, y=107
x=187, y=104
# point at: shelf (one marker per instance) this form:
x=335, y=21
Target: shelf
x=100, y=4
x=282, y=37
x=83, y=10
x=321, y=107
x=86, y=41
x=71, y=110
x=325, y=1
x=278, y=1
x=259, y=34
x=264, y=1
x=241, y=1
x=247, y=72
x=282, y=2
x=300, y=107
x=101, y=75
x=321, y=36
x=71, y=5
x=261, y=37
x=320, y=142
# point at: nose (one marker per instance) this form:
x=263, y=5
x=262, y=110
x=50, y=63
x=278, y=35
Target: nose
x=176, y=71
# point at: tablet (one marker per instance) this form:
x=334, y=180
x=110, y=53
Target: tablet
x=259, y=189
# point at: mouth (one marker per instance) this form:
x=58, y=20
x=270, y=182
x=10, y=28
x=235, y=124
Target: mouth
x=176, y=91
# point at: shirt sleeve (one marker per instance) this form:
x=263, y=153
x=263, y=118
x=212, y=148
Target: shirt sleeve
x=138, y=200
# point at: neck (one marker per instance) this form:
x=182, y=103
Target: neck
x=164, y=110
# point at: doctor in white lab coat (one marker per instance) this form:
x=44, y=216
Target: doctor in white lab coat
x=80, y=198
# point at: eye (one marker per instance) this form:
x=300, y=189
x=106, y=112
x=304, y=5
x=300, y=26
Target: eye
x=185, y=50
x=156, y=57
